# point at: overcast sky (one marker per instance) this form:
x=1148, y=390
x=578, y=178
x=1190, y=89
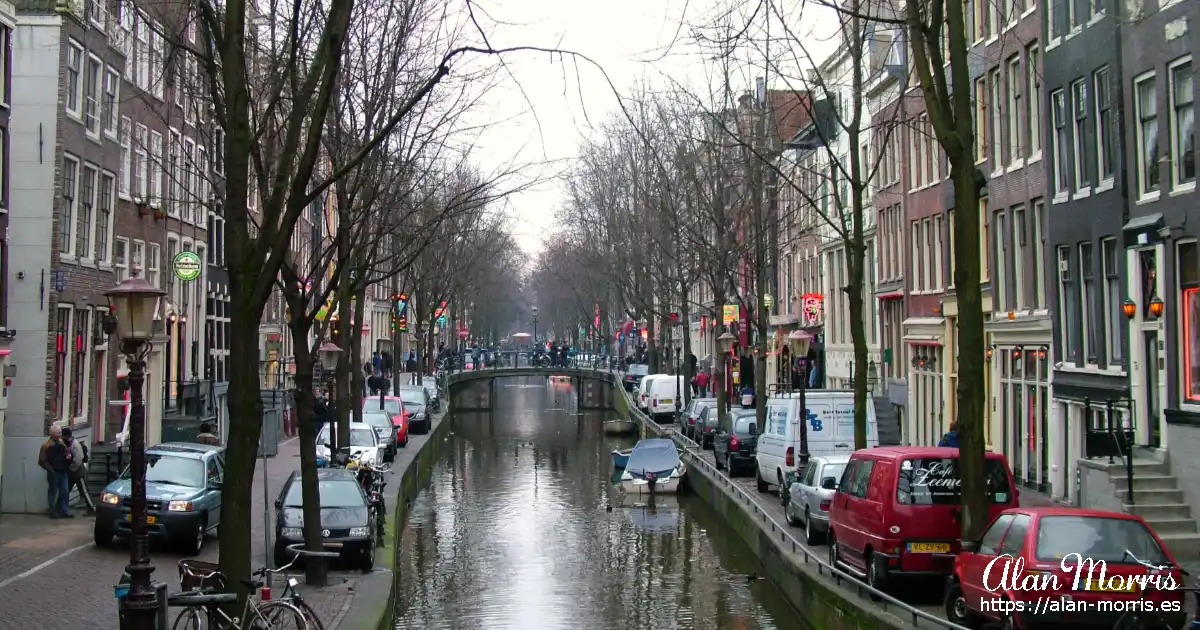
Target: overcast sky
x=633, y=40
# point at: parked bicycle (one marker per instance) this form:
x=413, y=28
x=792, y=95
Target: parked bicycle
x=1138, y=617
x=371, y=478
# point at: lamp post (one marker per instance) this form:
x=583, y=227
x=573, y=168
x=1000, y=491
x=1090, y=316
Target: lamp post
x=724, y=347
x=799, y=341
x=535, y=312
x=330, y=353
x=133, y=304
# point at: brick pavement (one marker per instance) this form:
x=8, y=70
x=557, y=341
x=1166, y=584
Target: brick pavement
x=53, y=576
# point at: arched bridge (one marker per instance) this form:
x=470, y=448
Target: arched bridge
x=474, y=390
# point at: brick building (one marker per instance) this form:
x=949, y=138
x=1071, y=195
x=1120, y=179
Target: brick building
x=7, y=28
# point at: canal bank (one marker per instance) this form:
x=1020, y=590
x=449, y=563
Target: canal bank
x=829, y=599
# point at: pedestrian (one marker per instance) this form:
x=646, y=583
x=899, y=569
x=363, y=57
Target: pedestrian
x=320, y=413
x=55, y=459
x=77, y=474
x=702, y=383
x=206, y=435
x=951, y=438
x=387, y=363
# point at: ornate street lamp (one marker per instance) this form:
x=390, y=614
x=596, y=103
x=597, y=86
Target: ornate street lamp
x=799, y=342
x=330, y=353
x=133, y=303
x=535, y=312
x=1129, y=307
x=1156, y=307
x=724, y=347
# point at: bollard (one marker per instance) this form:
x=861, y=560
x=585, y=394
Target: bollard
x=121, y=589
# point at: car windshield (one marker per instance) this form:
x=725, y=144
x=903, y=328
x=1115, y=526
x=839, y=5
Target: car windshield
x=935, y=481
x=358, y=437
x=390, y=405
x=639, y=369
x=746, y=425
x=172, y=469
x=336, y=493
x=413, y=396
x=1096, y=538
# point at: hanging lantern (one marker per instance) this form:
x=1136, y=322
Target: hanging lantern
x=1129, y=307
x=1156, y=307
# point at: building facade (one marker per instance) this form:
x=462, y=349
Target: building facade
x=8, y=24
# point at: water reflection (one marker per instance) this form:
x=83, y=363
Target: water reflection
x=515, y=531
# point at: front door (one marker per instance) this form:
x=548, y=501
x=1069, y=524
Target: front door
x=1153, y=415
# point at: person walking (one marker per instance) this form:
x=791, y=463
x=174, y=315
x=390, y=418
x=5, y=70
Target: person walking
x=55, y=459
x=206, y=435
x=702, y=383
x=951, y=438
x=77, y=473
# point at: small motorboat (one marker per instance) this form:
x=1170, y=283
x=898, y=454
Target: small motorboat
x=620, y=458
x=653, y=468
x=620, y=427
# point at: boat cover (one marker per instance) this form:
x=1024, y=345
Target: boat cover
x=657, y=457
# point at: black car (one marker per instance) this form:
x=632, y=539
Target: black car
x=734, y=449
x=634, y=375
x=416, y=402
x=346, y=523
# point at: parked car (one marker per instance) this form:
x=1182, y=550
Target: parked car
x=693, y=414
x=393, y=406
x=416, y=400
x=707, y=426
x=811, y=495
x=431, y=388
x=346, y=523
x=634, y=376
x=830, y=420
x=364, y=443
x=183, y=497
x=733, y=450
x=897, y=510
x=385, y=430
x=640, y=393
x=1043, y=539
x=664, y=392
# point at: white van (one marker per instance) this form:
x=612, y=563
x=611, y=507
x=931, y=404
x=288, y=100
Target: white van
x=640, y=394
x=830, y=431
x=661, y=392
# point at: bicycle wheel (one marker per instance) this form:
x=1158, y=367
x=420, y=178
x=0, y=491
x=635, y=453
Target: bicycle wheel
x=281, y=615
x=188, y=619
x=310, y=615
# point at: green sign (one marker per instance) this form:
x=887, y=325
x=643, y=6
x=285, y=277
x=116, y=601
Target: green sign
x=187, y=266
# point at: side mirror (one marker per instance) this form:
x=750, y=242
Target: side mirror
x=970, y=546
x=829, y=483
x=278, y=504
x=753, y=430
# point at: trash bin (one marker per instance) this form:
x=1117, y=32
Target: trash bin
x=121, y=590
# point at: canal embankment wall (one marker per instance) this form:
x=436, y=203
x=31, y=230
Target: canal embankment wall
x=826, y=598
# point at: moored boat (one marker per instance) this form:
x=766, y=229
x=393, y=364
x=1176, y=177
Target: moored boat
x=621, y=458
x=620, y=427
x=653, y=468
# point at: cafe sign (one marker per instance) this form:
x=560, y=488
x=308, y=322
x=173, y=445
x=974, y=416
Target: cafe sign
x=187, y=266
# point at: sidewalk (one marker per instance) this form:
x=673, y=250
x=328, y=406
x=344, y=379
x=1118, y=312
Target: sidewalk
x=53, y=570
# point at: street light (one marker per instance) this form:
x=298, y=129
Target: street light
x=330, y=353
x=724, y=347
x=799, y=341
x=535, y=312
x=133, y=303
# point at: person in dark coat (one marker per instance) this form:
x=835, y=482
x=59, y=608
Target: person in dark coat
x=951, y=438
x=55, y=458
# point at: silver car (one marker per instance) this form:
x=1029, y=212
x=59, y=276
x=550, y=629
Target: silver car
x=812, y=492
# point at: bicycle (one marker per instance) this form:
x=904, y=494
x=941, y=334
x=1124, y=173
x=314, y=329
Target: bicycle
x=1137, y=617
x=377, y=500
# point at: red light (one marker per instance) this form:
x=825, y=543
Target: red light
x=734, y=444
x=655, y=403
x=790, y=457
x=825, y=506
x=8, y=382
x=266, y=593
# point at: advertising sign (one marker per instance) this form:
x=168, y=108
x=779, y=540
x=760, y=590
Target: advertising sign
x=729, y=314
x=187, y=266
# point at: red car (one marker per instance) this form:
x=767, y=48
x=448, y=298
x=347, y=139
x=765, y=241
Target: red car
x=394, y=407
x=1048, y=554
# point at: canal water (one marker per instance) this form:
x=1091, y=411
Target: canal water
x=514, y=532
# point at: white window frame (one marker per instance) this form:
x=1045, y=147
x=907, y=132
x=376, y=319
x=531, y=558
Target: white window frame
x=996, y=104
x=121, y=263
x=137, y=257
x=1091, y=356
x=938, y=248
x=1141, y=186
x=1079, y=133
x=126, y=21
x=1016, y=130
x=64, y=402
x=175, y=171
x=1018, y=224
x=66, y=233
x=1104, y=132
x=172, y=283
x=189, y=182
x=157, y=56
x=112, y=102
x=999, y=284
x=1038, y=238
x=1178, y=184
x=6, y=35
x=156, y=169
x=1033, y=102
x=105, y=257
x=1112, y=302
x=1063, y=252
x=153, y=264
x=97, y=13
x=1058, y=150
x=75, y=64
x=142, y=34
x=141, y=163
x=87, y=256
x=93, y=78
x=125, y=178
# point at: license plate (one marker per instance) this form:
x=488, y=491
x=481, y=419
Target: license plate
x=150, y=520
x=1111, y=585
x=929, y=547
x=333, y=545
x=665, y=401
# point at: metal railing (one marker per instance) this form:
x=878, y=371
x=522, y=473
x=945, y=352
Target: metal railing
x=694, y=456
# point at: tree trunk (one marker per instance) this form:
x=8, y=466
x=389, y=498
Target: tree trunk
x=971, y=386
x=316, y=572
x=356, y=353
x=856, y=251
x=342, y=371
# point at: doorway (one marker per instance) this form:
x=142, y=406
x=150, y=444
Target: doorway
x=1153, y=415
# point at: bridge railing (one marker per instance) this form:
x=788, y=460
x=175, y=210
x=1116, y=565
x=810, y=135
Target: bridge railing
x=694, y=456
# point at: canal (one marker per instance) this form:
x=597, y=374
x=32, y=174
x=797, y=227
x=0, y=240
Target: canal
x=514, y=531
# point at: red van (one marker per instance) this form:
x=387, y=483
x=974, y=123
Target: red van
x=897, y=511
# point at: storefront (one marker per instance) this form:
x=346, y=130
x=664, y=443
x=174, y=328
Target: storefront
x=927, y=419
x=1023, y=405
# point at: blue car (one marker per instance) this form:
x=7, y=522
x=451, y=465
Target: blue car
x=183, y=497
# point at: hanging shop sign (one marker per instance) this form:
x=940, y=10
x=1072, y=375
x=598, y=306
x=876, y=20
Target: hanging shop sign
x=811, y=306
x=729, y=314
x=187, y=266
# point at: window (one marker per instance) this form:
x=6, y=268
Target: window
x=984, y=220
x=1019, y=298
x=1105, y=131
x=172, y=250
x=83, y=213
x=112, y=102
x=1183, y=124
x=939, y=247
x=97, y=10
x=1058, y=115
x=1000, y=286
x=175, y=174
x=981, y=110
x=995, y=102
x=951, y=232
x=1088, y=303
x=61, y=342
x=92, y=84
x=6, y=36
x=978, y=20
x=142, y=74
x=1039, y=253
x=104, y=208
x=126, y=158
x=156, y=168
x=125, y=13
x=1033, y=100
x=1013, y=80
x=1112, y=300
x=188, y=185
x=1145, y=107
x=80, y=342
x=1080, y=108
x=1068, y=306
x=218, y=154
x=137, y=258
x=121, y=258
x=152, y=264
x=140, y=163
x=70, y=183
x=1188, y=264
x=74, y=77
x=156, y=63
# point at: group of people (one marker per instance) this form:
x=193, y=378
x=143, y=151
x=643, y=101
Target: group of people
x=65, y=461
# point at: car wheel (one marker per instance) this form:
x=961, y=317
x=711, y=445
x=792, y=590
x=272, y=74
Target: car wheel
x=874, y=579
x=784, y=490
x=955, y=604
x=405, y=442
x=717, y=461
x=834, y=556
x=789, y=514
x=195, y=545
x=390, y=455
x=763, y=486
x=811, y=536
x=368, y=559
x=102, y=532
